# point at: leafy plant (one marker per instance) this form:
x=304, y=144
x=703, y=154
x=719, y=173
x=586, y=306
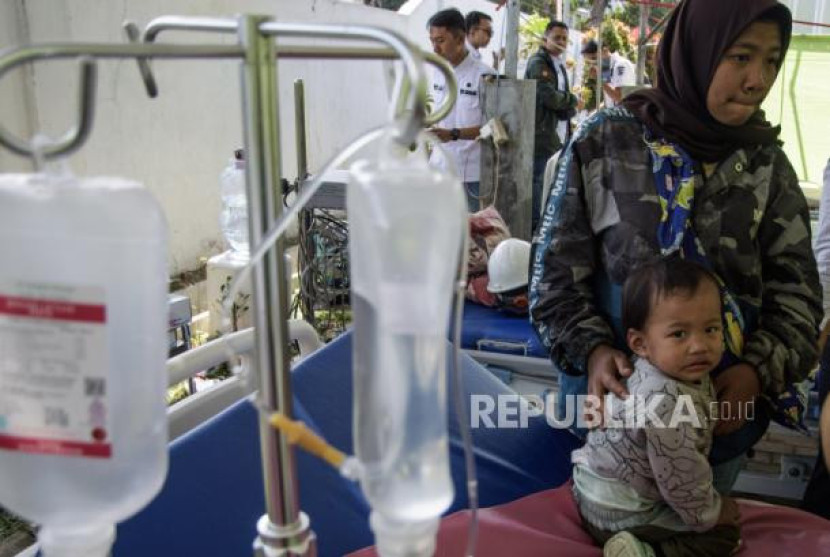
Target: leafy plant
x=240, y=305
x=15, y=533
x=630, y=14
x=532, y=33
x=616, y=35
x=176, y=393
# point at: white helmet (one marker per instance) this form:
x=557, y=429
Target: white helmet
x=508, y=265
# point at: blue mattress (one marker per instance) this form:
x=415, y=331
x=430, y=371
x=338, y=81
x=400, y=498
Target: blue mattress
x=490, y=330
x=213, y=494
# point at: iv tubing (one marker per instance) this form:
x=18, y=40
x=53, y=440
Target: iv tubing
x=298, y=433
x=460, y=407
x=458, y=400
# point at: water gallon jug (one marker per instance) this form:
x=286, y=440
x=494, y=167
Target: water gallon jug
x=234, y=217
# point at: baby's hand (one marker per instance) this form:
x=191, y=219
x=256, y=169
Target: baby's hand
x=729, y=513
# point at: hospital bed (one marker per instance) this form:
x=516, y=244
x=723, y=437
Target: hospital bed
x=508, y=346
x=213, y=495
x=548, y=523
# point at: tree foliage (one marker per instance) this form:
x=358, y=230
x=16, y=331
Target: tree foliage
x=532, y=31
x=393, y=5
x=630, y=14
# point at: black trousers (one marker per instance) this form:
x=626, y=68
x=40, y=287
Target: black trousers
x=817, y=497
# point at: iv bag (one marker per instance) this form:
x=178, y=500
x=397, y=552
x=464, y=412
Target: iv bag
x=406, y=222
x=83, y=319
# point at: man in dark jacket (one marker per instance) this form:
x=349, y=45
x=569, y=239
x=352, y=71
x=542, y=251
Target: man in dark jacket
x=555, y=104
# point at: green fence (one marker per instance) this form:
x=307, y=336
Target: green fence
x=800, y=102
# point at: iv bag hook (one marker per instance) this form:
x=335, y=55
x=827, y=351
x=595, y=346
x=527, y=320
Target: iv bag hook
x=134, y=37
x=74, y=138
x=144, y=51
x=397, y=48
x=163, y=23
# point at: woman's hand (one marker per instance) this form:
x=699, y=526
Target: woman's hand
x=730, y=514
x=735, y=387
x=606, y=366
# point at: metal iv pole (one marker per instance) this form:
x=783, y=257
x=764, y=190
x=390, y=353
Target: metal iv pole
x=284, y=530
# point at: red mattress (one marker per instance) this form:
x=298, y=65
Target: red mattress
x=547, y=523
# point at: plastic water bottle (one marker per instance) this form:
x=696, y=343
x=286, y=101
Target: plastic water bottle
x=234, y=218
x=83, y=319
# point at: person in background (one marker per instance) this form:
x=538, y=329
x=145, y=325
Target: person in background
x=646, y=485
x=621, y=72
x=822, y=242
x=479, y=32
x=460, y=128
x=691, y=165
x=555, y=105
x=817, y=495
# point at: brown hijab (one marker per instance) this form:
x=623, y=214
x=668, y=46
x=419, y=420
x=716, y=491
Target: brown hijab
x=697, y=35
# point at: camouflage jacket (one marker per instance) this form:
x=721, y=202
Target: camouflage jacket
x=601, y=220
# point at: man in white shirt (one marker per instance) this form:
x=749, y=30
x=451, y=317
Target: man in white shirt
x=460, y=128
x=479, y=32
x=621, y=72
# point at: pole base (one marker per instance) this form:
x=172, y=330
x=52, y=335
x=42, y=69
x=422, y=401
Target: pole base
x=295, y=540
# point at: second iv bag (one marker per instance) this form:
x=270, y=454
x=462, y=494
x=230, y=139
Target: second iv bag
x=83, y=319
x=406, y=222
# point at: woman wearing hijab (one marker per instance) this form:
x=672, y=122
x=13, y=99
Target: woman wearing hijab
x=690, y=167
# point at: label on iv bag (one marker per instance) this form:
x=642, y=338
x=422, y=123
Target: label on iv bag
x=53, y=370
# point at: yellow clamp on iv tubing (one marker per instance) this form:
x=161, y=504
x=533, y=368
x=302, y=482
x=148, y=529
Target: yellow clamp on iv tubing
x=297, y=433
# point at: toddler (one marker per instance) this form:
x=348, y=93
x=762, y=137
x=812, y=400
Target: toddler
x=643, y=482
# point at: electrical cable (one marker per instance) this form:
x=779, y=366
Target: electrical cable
x=281, y=225
x=461, y=408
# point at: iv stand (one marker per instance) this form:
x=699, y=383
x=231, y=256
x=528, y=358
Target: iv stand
x=284, y=530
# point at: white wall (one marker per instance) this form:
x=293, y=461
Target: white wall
x=178, y=143
x=810, y=11
x=15, y=113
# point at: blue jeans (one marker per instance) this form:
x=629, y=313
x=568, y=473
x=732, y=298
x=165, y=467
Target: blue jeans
x=471, y=189
x=728, y=453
